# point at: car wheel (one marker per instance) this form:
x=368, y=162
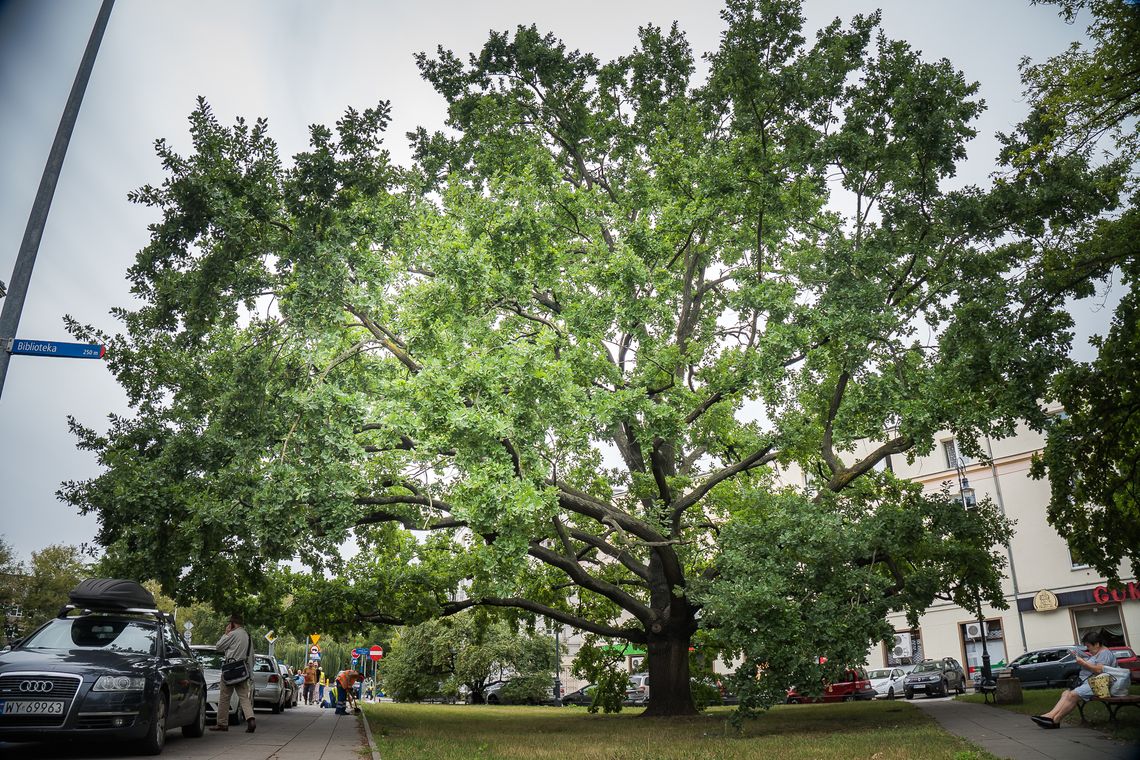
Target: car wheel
x=891, y=693
x=793, y=700
x=276, y=708
x=945, y=688
x=156, y=738
x=198, y=727
x=849, y=698
x=961, y=685
x=909, y=694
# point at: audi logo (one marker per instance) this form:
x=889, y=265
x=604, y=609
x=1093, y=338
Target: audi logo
x=35, y=687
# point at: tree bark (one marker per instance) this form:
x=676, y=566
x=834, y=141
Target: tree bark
x=669, y=692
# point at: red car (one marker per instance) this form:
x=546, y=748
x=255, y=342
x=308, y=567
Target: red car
x=854, y=685
x=1126, y=658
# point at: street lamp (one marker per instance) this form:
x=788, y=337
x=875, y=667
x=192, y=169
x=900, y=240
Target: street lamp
x=557, y=668
x=969, y=501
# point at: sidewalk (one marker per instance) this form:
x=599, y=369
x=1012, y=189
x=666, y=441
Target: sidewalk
x=305, y=732
x=1014, y=736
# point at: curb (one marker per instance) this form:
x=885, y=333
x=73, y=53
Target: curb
x=368, y=736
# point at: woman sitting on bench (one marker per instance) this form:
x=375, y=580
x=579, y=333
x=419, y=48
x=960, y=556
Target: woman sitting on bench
x=1100, y=655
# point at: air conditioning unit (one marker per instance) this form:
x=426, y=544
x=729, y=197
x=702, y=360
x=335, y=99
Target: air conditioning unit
x=974, y=631
x=902, y=645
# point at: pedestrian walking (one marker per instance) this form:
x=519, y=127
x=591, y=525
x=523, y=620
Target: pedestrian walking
x=236, y=646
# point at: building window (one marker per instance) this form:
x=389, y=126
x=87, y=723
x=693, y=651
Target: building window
x=1076, y=561
x=1103, y=620
x=954, y=458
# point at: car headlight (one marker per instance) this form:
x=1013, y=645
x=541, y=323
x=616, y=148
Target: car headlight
x=119, y=683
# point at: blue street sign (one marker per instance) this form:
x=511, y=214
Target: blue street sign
x=60, y=350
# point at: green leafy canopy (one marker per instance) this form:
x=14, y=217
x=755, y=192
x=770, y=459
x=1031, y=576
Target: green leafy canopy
x=575, y=340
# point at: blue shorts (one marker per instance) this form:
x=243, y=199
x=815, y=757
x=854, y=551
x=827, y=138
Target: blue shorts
x=1084, y=691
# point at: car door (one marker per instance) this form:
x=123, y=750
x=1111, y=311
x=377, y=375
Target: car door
x=1062, y=667
x=954, y=675
x=177, y=674
x=1031, y=669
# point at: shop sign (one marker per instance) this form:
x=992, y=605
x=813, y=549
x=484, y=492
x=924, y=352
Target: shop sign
x=1045, y=601
x=1104, y=595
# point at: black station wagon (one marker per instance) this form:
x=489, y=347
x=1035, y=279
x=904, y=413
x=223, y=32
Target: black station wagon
x=109, y=666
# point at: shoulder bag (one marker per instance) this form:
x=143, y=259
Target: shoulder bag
x=236, y=671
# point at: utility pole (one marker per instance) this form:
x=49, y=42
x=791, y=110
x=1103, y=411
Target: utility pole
x=26, y=260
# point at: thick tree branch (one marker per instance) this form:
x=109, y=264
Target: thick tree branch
x=623, y=556
x=566, y=618
x=757, y=458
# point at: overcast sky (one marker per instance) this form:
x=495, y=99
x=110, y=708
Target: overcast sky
x=300, y=63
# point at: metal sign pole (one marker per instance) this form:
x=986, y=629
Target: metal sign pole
x=29, y=248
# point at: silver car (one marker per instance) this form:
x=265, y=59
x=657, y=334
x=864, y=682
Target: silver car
x=211, y=660
x=268, y=685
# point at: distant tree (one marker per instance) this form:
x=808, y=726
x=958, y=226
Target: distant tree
x=1078, y=150
x=575, y=340
x=54, y=571
x=440, y=656
x=13, y=586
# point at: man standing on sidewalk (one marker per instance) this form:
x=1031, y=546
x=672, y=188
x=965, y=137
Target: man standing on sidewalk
x=310, y=675
x=236, y=644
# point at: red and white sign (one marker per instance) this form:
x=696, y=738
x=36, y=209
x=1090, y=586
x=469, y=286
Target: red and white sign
x=376, y=652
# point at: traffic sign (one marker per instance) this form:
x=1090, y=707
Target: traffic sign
x=376, y=652
x=314, y=637
x=271, y=637
x=58, y=350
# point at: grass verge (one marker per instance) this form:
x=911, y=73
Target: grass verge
x=1037, y=701
x=878, y=730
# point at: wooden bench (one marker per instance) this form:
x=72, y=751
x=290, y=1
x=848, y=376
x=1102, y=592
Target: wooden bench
x=1112, y=704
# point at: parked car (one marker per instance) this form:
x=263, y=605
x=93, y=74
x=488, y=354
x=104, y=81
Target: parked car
x=637, y=690
x=583, y=697
x=211, y=660
x=887, y=682
x=1126, y=658
x=268, y=685
x=852, y=685
x=502, y=693
x=290, y=684
x=1048, y=667
x=935, y=678
x=111, y=665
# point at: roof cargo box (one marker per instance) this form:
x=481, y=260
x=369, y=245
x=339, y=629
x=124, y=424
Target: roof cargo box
x=111, y=594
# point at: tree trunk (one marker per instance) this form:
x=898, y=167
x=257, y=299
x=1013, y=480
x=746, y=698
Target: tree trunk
x=669, y=692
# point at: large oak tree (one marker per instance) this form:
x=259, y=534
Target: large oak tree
x=577, y=341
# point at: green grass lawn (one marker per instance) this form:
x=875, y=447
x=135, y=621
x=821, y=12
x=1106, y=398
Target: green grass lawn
x=1037, y=701
x=878, y=730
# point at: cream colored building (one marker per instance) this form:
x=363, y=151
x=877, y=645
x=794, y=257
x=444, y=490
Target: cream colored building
x=1053, y=597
